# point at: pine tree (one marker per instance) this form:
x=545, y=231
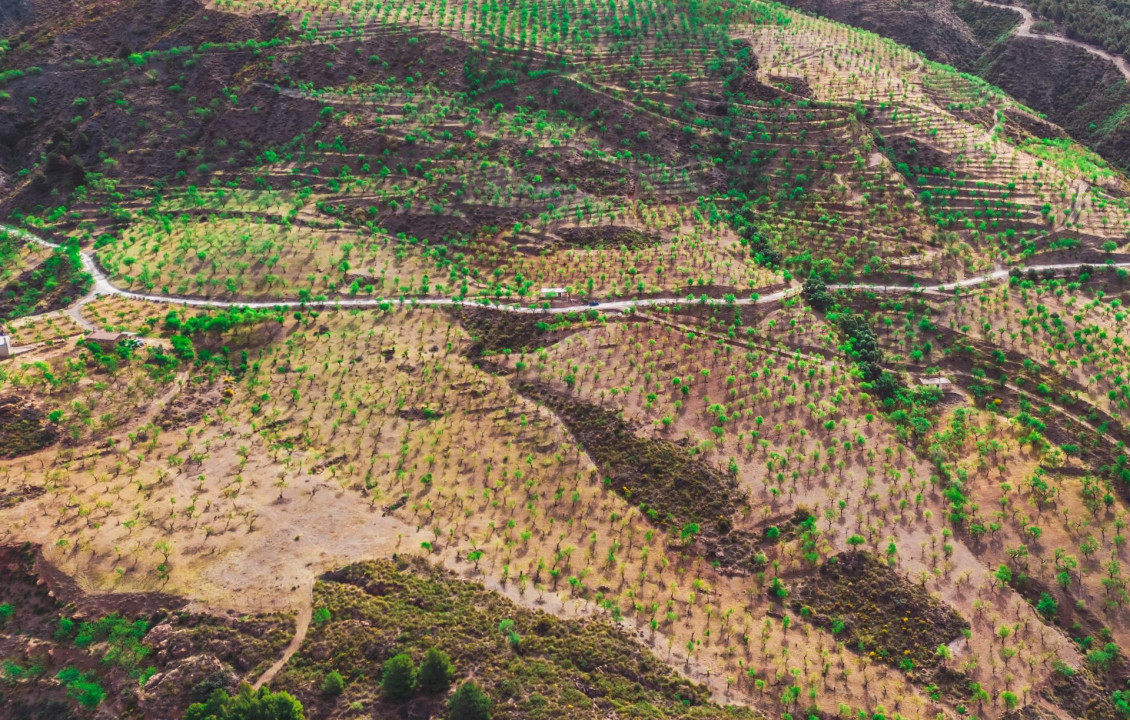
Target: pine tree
x=435, y=672
x=399, y=679
x=468, y=703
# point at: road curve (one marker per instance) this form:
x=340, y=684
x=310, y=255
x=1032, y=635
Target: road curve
x=1025, y=30
x=301, y=627
x=103, y=286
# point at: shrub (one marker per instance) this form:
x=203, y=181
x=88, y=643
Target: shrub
x=1047, y=606
x=1102, y=659
x=6, y=612
x=82, y=688
x=333, y=684
x=399, y=679
x=247, y=704
x=468, y=703
x=435, y=672
x=1121, y=700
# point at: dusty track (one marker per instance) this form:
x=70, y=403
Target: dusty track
x=1025, y=30
x=103, y=286
x=301, y=626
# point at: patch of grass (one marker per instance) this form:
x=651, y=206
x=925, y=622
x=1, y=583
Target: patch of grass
x=561, y=668
x=672, y=487
x=879, y=613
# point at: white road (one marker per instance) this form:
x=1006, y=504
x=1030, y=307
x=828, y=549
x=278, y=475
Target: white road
x=103, y=287
x=1025, y=30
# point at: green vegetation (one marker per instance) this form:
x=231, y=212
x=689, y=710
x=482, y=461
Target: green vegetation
x=1103, y=22
x=435, y=671
x=469, y=702
x=398, y=680
x=56, y=282
x=81, y=687
x=247, y=704
x=710, y=329
x=463, y=621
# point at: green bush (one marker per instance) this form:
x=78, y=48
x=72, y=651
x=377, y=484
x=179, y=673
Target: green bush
x=6, y=612
x=82, y=688
x=398, y=681
x=1047, y=606
x=333, y=684
x=1121, y=700
x=435, y=672
x=247, y=704
x=468, y=703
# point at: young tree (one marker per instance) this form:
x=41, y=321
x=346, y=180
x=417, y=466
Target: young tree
x=435, y=672
x=399, y=679
x=247, y=704
x=1047, y=606
x=333, y=684
x=469, y=703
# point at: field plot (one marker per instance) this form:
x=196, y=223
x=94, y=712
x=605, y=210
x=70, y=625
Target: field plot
x=629, y=359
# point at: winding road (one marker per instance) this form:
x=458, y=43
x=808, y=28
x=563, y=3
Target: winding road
x=301, y=627
x=1025, y=30
x=102, y=286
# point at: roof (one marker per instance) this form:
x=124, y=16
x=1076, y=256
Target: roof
x=935, y=381
x=102, y=335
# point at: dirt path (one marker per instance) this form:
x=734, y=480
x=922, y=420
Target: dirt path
x=103, y=286
x=301, y=626
x=1025, y=30
x=1058, y=408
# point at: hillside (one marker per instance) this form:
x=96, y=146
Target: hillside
x=694, y=359
x=1038, y=52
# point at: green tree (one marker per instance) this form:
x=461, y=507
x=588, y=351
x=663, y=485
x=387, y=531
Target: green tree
x=688, y=532
x=468, y=703
x=1121, y=700
x=1047, y=606
x=1004, y=574
x=435, y=671
x=83, y=688
x=399, y=679
x=247, y=704
x=333, y=684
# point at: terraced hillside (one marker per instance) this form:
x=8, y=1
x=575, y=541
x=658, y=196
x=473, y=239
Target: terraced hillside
x=659, y=360
x=1065, y=59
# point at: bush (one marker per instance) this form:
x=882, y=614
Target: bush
x=333, y=684
x=1047, y=606
x=1121, y=700
x=247, y=704
x=816, y=293
x=399, y=679
x=468, y=703
x=6, y=612
x=82, y=688
x=435, y=672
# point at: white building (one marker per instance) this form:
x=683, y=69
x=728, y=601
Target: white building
x=939, y=382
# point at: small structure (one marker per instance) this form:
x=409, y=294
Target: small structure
x=5, y=346
x=105, y=340
x=552, y=291
x=939, y=382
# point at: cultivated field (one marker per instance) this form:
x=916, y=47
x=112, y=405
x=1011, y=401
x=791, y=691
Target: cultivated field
x=569, y=333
